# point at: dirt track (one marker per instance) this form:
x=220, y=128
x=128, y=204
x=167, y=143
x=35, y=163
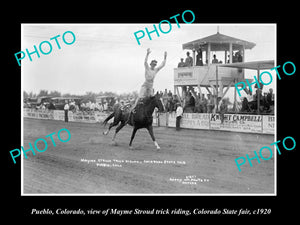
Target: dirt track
x=207, y=157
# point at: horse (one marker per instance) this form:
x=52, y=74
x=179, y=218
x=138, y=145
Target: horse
x=141, y=118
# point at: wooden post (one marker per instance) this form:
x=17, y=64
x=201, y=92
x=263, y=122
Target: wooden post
x=230, y=52
x=217, y=87
x=178, y=95
x=194, y=58
x=200, y=92
x=235, y=101
x=208, y=90
x=243, y=50
x=258, y=94
x=225, y=57
x=208, y=54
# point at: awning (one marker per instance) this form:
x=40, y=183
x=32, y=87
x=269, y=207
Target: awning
x=254, y=65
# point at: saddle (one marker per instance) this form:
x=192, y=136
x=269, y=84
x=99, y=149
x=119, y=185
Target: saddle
x=139, y=104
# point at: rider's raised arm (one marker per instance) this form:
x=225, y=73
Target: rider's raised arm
x=146, y=59
x=163, y=62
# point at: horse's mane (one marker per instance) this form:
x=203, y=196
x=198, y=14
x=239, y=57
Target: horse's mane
x=145, y=102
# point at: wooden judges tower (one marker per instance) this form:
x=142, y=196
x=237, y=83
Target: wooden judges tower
x=217, y=79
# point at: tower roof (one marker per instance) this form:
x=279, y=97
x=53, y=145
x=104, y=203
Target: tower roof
x=219, y=42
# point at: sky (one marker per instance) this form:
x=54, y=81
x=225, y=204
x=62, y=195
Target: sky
x=107, y=57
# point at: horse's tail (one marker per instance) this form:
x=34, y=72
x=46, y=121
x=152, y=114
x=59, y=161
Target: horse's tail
x=108, y=118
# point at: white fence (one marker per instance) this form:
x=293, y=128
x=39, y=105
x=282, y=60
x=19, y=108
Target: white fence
x=210, y=121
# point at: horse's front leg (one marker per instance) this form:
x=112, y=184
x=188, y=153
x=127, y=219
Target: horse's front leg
x=132, y=136
x=150, y=130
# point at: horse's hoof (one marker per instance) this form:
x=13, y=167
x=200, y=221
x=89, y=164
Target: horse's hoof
x=114, y=143
x=130, y=148
x=157, y=148
x=104, y=133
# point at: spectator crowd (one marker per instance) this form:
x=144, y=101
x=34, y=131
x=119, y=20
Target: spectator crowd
x=191, y=103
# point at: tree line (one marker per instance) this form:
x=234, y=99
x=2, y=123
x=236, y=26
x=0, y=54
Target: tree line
x=88, y=96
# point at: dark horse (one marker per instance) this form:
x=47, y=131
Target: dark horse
x=141, y=118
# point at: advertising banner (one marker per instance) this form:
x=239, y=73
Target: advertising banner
x=268, y=125
x=236, y=122
x=190, y=120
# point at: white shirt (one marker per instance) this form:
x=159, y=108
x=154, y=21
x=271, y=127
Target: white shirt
x=92, y=106
x=179, y=111
x=66, y=107
x=150, y=74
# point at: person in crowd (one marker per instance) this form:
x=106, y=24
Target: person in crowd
x=270, y=97
x=245, y=106
x=223, y=109
x=198, y=104
x=175, y=100
x=92, y=106
x=179, y=113
x=239, y=57
x=100, y=107
x=76, y=107
x=161, y=94
x=165, y=98
x=210, y=103
x=51, y=106
x=189, y=103
x=189, y=60
x=215, y=60
x=88, y=105
x=66, y=109
x=82, y=106
x=43, y=106
x=105, y=106
x=234, y=57
x=181, y=63
x=186, y=101
x=192, y=102
x=169, y=106
x=204, y=104
x=97, y=106
x=72, y=105
x=199, y=61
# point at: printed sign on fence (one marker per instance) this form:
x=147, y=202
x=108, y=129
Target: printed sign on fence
x=190, y=120
x=236, y=122
x=268, y=125
x=60, y=115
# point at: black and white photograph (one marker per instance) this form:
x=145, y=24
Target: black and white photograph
x=139, y=111
x=170, y=108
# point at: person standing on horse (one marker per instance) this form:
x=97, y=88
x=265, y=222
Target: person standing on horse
x=150, y=73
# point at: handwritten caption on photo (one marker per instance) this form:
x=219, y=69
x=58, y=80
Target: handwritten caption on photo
x=190, y=179
x=121, y=162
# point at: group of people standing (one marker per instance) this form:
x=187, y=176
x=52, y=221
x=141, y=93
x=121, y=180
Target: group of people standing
x=236, y=57
x=189, y=60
